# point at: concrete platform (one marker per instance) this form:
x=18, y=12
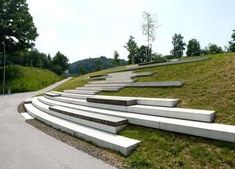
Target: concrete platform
x=180, y=113
x=108, y=82
x=108, y=85
x=98, y=78
x=26, y=115
x=158, y=84
x=113, y=101
x=163, y=102
x=98, y=118
x=100, y=88
x=103, y=139
x=73, y=116
x=202, y=129
x=87, y=92
x=52, y=94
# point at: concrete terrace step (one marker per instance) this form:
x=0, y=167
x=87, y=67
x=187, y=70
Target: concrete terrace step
x=181, y=113
x=107, y=85
x=103, y=139
x=108, y=82
x=117, y=101
x=87, y=92
x=202, y=129
x=106, y=88
x=164, y=102
x=106, y=123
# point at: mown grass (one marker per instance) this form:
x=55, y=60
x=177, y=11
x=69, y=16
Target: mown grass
x=24, y=79
x=208, y=85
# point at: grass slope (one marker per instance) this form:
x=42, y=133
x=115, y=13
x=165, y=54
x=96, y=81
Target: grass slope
x=26, y=79
x=209, y=85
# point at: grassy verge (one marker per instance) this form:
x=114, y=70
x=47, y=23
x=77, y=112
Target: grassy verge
x=24, y=79
x=209, y=85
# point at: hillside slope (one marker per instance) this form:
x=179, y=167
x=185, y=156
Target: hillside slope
x=24, y=79
x=208, y=85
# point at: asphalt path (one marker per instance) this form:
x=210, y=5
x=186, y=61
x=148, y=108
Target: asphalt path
x=24, y=147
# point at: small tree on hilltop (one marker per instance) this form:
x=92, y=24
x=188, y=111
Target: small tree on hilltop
x=214, y=49
x=193, y=48
x=132, y=48
x=178, y=46
x=232, y=42
x=149, y=27
x=116, y=58
x=60, y=63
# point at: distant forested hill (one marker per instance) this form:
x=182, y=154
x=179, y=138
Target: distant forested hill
x=93, y=64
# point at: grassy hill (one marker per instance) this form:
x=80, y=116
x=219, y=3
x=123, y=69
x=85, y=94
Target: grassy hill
x=209, y=85
x=23, y=79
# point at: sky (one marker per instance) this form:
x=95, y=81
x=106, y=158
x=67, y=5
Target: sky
x=92, y=28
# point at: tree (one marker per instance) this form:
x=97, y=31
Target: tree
x=214, y=49
x=149, y=27
x=142, y=55
x=178, y=46
x=17, y=29
x=116, y=58
x=60, y=63
x=132, y=48
x=231, y=47
x=193, y=48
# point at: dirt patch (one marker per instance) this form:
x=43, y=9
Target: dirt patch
x=21, y=108
x=106, y=155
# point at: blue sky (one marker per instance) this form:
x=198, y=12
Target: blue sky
x=92, y=28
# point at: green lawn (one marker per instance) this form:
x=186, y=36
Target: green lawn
x=24, y=79
x=208, y=85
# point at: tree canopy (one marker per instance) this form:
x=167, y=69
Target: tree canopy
x=17, y=29
x=193, y=48
x=132, y=48
x=232, y=42
x=60, y=63
x=116, y=58
x=178, y=46
x=214, y=49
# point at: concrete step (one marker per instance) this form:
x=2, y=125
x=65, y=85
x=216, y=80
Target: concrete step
x=87, y=92
x=158, y=84
x=103, y=139
x=27, y=116
x=201, y=129
x=99, y=121
x=163, y=102
x=112, y=88
x=108, y=82
x=107, y=85
x=180, y=113
x=98, y=78
x=52, y=94
x=117, y=101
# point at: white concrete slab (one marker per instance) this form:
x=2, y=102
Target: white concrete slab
x=118, y=143
x=180, y=113
x=26, y=115
x=202, y=129
x=108, y=82
x=105, y=88
x=87, y=92
x=52, y=94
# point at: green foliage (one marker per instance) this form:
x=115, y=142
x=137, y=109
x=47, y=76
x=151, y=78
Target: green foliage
x=90, y=65
x=132, y=48
x=17, y=29
x=193, y=48
x=214, y=49
x=144, y=54
x=116, y=58
x=24, y=79
x=178, y=46
x=232, y=42
x=59, y=63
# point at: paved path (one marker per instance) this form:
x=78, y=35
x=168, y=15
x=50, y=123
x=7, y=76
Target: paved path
x=24, y=147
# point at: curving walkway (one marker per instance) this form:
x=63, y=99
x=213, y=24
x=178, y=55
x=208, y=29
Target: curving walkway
x=24, y=147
